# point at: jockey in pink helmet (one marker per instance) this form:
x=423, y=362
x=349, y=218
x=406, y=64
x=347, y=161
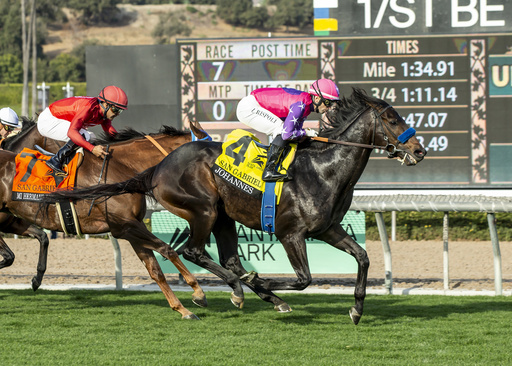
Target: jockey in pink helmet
x=68, y=120
x=280, y=113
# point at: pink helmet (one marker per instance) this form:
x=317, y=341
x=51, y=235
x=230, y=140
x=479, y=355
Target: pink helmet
x=325, y=88
x=115, y=96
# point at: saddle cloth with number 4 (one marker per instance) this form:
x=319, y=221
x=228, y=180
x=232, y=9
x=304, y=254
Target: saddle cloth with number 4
x=242, y=162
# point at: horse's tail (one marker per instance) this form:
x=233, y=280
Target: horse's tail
x=141, y=183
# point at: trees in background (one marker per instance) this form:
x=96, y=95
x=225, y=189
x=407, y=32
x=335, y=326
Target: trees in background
x=170, y=25
x=293, y=13
x=11, y=70
x=289, y=13
x=94, y=11
x=271, y=14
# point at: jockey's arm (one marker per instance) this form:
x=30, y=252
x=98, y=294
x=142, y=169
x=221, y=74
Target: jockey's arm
x=292, y=127
x=74, y=132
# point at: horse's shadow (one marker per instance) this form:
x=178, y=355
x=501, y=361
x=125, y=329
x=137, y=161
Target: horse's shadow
x=379, y=309
x=384, y=309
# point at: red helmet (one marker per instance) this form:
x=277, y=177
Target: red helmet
x=326, y=89
x=115, y=96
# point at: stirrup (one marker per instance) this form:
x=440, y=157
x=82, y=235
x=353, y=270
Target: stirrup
x=276, y=177
x=56, y=171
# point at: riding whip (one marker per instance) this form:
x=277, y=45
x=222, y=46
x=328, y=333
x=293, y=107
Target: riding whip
x=99, y=179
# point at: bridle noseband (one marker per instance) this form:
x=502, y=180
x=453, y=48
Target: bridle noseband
x=400, y=140
x=377, y=116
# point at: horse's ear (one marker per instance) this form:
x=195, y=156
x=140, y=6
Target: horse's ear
x=197, y=130
x=27, y=123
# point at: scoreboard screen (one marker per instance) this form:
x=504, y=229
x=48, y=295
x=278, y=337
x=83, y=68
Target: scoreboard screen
x=456, y=91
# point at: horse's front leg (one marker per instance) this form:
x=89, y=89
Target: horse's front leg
x=295, y=247
x=338, y=238
x=6, y=254
x=148, y=258
x=139, y=236
x=18, y=226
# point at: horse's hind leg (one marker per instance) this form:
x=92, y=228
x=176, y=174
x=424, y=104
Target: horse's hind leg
x=227, y=244
x=338, y=238
x=148, y=258
x=192, y=195
x=18, y=226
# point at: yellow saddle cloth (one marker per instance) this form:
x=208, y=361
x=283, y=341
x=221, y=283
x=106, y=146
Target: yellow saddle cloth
x=242, y=162
x=33, y=177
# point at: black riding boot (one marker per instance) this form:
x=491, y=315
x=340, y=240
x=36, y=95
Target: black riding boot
x=274, y=156
x=61, y=157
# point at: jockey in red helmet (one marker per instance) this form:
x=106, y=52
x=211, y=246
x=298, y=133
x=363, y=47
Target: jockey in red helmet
x=280, y=113
x=68, y=120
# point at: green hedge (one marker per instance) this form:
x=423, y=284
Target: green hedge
x=10, y=94
x=412, y=225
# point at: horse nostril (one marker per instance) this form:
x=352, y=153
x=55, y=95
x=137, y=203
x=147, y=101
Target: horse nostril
x=420, y=153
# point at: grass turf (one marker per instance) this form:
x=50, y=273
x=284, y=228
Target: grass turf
x=138, y=328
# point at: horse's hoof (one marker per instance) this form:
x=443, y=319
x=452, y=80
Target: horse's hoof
x=283, y=308
x=200, y=301
x=35, y=284
x=237, y=301
x=354, y=315
x=190, y=317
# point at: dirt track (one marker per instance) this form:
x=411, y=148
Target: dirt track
x=415, y=264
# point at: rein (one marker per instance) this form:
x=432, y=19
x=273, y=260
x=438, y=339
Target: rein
x=402, y=139
x=348, y=143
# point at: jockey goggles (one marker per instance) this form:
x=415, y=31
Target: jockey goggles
x=116, y=110
x=327, y=102
x=7, y=127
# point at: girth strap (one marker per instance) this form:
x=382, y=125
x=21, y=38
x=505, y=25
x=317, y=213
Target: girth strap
x=158, y=146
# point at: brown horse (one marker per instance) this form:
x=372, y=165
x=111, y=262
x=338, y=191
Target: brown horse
x=312, y=205
x=29, y=136
x=123, y=218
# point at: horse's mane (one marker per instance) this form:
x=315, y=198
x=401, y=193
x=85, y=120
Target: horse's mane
x=129, y=133
x=348, y=108
x=27, y=126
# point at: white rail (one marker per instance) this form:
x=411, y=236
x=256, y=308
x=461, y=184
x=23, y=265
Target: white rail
x=446, y=203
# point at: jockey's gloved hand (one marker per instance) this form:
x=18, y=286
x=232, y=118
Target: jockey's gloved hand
x=310, y=132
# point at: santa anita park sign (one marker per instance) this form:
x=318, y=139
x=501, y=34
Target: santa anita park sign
x=260, y=251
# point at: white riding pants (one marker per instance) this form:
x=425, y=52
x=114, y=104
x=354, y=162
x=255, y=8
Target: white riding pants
x=57, y=129
x=250, y=113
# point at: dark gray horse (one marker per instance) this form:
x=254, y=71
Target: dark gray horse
x=312, y=205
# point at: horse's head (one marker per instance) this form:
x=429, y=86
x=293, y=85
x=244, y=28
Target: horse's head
x=398, y=138
x=383, y=127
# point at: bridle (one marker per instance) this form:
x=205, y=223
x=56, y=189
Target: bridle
x=391, y=149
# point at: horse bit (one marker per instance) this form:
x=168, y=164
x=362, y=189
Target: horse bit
x=401, y=139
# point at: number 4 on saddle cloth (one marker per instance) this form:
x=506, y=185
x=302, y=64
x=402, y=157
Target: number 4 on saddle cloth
x=241, y=165
x=34, y=179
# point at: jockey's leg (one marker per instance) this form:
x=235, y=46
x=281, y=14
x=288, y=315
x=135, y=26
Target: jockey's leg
x=274, y=158
x=56, y=161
